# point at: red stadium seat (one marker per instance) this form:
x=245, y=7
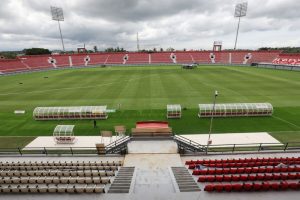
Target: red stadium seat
x=284, y=185
x=237, y=187
x=209, y=188
x=247, y=186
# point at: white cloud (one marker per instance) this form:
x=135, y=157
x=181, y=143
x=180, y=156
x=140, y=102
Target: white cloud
x=191, y=24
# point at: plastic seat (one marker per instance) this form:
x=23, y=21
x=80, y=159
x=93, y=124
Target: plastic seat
x=293, y=186
x=260, y=177
x=52, y=188
x=90, y=188
x=233, y=171
x=70, y=189
x=24, y=188
x=202, y=179
x=219, y=178
x=15, y=188
x=283, y=176
x=265, y=186
x=237, y=187
x=284, y=185
x=274, y=186
x=252, y=177
x=219, y=188
x=247, y=186
x=240, y=170
x=210, y=178
x=209, y=188
x=235, y=178
x=33, y=188
x=256, y=186
x=243, y=177
x=248, y=170
x=226, y=171
x=228, y=187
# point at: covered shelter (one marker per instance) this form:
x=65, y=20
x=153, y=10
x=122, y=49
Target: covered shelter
x=173, y=111
x=72, y=112
x=64, y=134
x=235, y=110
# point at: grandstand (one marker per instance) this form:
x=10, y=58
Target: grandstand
x=28, y=63
x=117, y=124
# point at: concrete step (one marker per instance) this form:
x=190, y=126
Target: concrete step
x=122, y=182
x=184, y=180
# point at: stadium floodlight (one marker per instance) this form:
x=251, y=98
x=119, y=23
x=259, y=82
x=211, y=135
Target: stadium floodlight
x=240, y=11
x=209, y=141
x=58, y=15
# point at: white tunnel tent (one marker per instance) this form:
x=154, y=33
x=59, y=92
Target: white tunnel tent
x=73, y=112
x=235, y=109
x=64, y=134
x=173, y=111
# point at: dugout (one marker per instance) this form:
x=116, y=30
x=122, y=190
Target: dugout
x=64, y=134
x=235, y=110
x=173, y=111
x=75, y=112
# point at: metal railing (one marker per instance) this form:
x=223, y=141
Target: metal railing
x=254, y=148
x=117, y=147
x=185, y=146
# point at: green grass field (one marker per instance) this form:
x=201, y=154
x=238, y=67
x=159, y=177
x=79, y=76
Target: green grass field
x=144, y=92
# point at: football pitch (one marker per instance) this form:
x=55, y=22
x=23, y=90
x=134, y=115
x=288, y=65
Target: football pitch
x=142, y=93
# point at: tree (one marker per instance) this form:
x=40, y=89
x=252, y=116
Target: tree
x=161, y=49
x=36, y=51
x=8, y=55
x=118, y=49
x=170, y=49
x=95, y=49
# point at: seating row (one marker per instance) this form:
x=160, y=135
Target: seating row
x=249, y=177
x=59, y=167
x=264, y=186
x=250, y=164
x=54, y=180
x=247, y=170
x=59, y=173
x=55, y=163
x=242, y=160
x=52, y=188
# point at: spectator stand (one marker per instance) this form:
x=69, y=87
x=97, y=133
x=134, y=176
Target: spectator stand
x=64, y=134
x=174, y=111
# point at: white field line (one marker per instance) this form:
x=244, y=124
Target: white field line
x=284, y=131
x=72, y=88
x=283, y=120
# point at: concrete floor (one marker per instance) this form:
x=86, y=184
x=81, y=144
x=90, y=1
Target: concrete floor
x=153, y=178
x=235, y=138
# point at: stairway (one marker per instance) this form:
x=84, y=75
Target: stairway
x=122, y=182
x=184, y=180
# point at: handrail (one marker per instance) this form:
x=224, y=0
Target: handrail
x=191, y=142
x=117, y=142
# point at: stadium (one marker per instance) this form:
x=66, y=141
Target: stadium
x=152, y=124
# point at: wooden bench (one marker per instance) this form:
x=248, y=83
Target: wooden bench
x=151, y=132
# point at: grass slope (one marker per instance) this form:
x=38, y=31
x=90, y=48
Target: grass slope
x=144, y=92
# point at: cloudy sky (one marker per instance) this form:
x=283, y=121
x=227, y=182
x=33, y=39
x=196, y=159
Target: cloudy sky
x=190, y=24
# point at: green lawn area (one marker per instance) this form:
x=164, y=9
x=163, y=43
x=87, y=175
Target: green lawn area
x=144, y=92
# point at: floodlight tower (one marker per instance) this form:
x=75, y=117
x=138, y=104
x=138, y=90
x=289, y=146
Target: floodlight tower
x=137, y=41
x=58, y=15
x=240, y=11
